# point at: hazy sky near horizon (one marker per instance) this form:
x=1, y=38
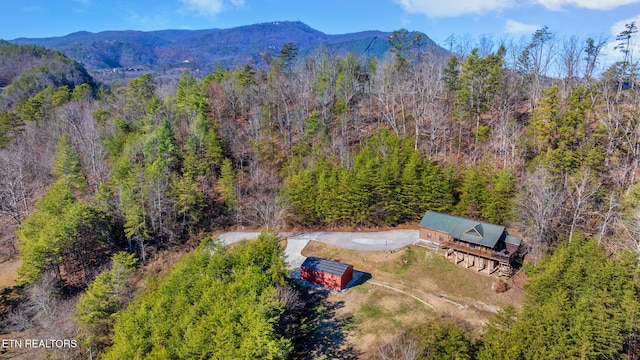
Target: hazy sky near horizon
x=497, y=19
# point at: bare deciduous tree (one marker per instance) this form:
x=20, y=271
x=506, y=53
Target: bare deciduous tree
x=399, y=347
x=581, y=189
x=608, y=217
x=269, y=211
x=541, y=201
x=78, y=122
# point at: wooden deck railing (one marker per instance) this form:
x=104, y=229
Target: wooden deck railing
x=477, y=251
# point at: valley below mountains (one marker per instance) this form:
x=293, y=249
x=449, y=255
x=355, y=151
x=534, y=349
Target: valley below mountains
x=205, y=49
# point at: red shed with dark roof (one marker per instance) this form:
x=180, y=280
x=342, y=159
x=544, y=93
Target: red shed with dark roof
x=325, y=272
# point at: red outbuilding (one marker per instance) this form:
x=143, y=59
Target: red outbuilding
x=325, y=272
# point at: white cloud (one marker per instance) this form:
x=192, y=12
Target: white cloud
x=155, y=20
x=33, y=9
x=610, y=51
x=618, y=27
x=208, y=7
x=586, y=4
x=516, y=27
x=211, y=7
x=450, y=8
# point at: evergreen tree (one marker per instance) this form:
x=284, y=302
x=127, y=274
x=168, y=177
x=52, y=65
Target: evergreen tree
x=215, y=303
x=579, y=304
x=496, y=343
x=165, y=149
x=288, y=55
x=60, y=226
x=480, y=81
x=190, y=94
x=227, y=183
x=473, y=191
x=401, y=43
x=66, y=164
x=451, y=75
x=300, y=188
x=139, y=95
x=412, y=186
x=443, y=341
x=109, y=293
x=545, y=120
x=188, y=197
x=498, y=200
x=9, y=126
x=438, y=188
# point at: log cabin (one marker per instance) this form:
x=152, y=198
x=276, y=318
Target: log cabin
x=480, y=245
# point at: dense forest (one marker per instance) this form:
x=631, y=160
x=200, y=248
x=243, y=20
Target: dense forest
x=538, y=135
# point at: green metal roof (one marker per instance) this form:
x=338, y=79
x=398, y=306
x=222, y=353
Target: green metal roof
x=513, y=240
x=438, y=221
x=473, y=231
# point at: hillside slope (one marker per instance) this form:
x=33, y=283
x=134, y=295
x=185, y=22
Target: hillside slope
x=205, y=48
x=26, y=70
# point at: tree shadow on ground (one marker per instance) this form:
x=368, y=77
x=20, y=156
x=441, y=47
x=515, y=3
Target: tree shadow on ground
x=324, y=332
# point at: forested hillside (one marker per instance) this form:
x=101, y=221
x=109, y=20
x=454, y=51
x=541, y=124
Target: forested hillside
x=541, y=136
x=27, y=70
x=201, y=50
x=214, y=304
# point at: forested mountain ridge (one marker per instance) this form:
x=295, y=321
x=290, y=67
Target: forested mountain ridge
x=33, y=80
x=26, y=70
x=322, y=142
x=203, y=49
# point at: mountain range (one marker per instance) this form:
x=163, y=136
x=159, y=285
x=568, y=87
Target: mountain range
x=250, y=44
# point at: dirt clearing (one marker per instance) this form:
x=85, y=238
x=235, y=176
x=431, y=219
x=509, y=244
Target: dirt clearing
x=9, y=273
x=409, y=287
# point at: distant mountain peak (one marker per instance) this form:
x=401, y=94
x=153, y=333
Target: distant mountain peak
x=205, y=48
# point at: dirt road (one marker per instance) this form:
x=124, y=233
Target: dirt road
x=361, y=241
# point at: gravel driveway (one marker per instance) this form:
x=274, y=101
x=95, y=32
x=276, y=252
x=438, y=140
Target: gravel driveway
x=363, y=241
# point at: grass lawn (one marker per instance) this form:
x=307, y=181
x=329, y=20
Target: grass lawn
x=409, y=287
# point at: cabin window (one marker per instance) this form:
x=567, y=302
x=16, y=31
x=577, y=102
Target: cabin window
x=428, y=235
x=440, y=238
x=473, y=232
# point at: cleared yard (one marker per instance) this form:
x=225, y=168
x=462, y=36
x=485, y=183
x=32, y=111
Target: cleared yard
x=9, y=273
x=409, y=287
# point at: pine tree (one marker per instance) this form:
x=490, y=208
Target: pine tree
x=227, y=183
x=546, y=118
x=188, y=197
x=438, y=187
x=300, y=189
x=66, y=164
x=479, y=82
x=59, y=224
x=473, y=191
x=496, y=343
x=579, y=303
x=215, y=303
x=498, y=200
x=109, y=293
x=166, y=148
x=190, y=94
x=412, y=186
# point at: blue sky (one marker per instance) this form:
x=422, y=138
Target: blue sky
x=439, y=19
